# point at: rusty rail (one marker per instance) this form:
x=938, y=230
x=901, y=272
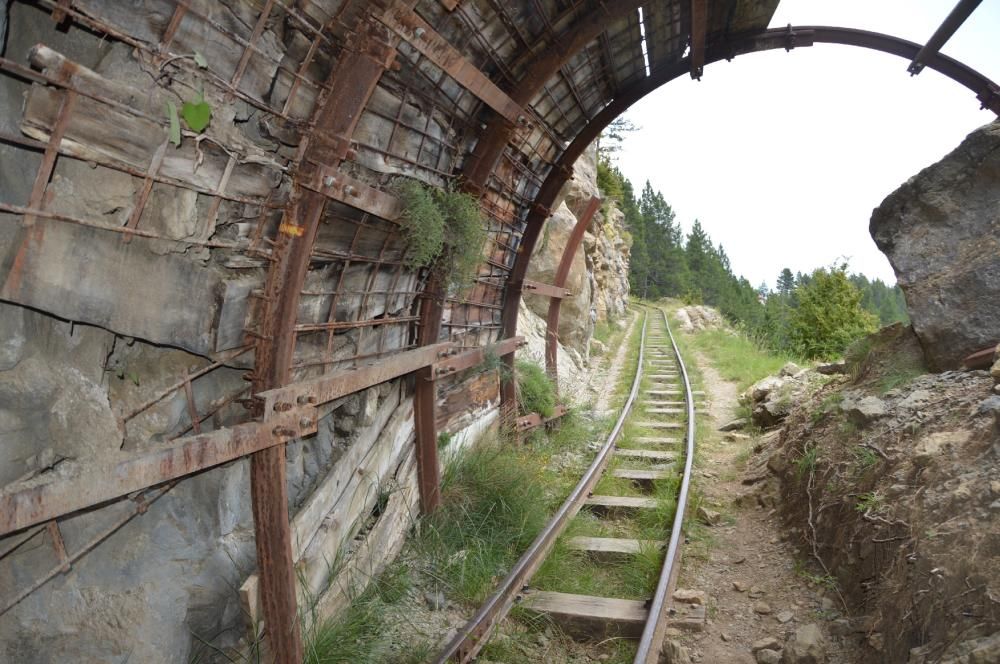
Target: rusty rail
x=470, y=639
x=651, y=640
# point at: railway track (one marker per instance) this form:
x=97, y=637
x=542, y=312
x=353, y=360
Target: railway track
x=663, y=454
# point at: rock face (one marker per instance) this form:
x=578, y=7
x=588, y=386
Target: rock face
x=941, y=232
x=598, y=277
x=697, y=318
x=771, y=399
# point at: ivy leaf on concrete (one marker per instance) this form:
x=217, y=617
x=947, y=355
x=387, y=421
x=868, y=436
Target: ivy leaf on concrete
x=196, y=114
x=175, y=124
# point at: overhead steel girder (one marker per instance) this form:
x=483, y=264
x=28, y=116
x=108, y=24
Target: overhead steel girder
x=490, y=147
x=962, y=11
x=788, y=38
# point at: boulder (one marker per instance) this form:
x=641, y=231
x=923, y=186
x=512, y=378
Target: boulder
x=805, y=647
x=832, y=368
x=863, y=410
x=733, y=425
x=941, y=233
x=768, y=656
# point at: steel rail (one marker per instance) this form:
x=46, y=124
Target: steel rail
x=651, y=640
x=473, y=635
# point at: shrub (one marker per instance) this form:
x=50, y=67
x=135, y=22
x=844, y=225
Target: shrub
x=535, y=391
x=422, y=223
x=444, y=231
x=829, y=315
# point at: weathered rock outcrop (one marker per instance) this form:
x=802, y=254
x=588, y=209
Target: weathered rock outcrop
x=941, y=232
x=598, y=278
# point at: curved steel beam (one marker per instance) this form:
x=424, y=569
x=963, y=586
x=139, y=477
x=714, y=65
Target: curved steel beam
x=480, y=164
x=788, y=38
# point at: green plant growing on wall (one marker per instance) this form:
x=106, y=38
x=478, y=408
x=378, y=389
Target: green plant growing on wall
x=444, y=231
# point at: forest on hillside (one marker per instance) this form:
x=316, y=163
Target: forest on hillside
x=811, y=315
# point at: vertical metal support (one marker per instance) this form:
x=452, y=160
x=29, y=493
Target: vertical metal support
x=562, y=273
x=699, y=31
x=425, y=401
x=354, y=78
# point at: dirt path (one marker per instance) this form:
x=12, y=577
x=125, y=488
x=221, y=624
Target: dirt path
x=610, y=371
x=754, y=585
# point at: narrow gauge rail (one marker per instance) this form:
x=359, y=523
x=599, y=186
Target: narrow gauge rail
x=654, y=614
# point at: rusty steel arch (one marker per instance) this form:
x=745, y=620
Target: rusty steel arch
x=788, y=38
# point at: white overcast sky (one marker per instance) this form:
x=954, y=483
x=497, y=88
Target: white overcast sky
x=783, y=156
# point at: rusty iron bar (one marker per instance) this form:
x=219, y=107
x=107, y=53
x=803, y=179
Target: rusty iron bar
x=562, y=274
x=142, y=505
x=425, y=400
x=981, y=359
x=473, y=635
x=545, y=290
x=24, y=507
x=323, y=389
x=354, y=77
x=699, y=32
x=535, y=420
x=419, y=34
x=466, y=358
x=961, y=12
x=651, y=641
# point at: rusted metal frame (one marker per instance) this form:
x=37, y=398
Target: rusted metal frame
x=65, y=81
x=58, y=545
x=213, y=207
x=450, y=5
x=336, y=184
x=28, y=235
x=372, y=274
x=102, y=28
x=535, y=420
x=419, y=34
x=44, y=172
x=22, y=508
x=330, y=254
x=228, y=357
x=981, y=359
x=191, y=407
x=258, y=30
x=547, y=290
x=425, y=400
x=335, y=295
x=147, y=187
x=787, y=38
x=493, y=140
x=142, y=505
x=958, y=15
x=562, y=274
x=651, y=641
x=470, y=29
x=239, y=395
x=390, y=292
x=173, y=25
x=355, y=77
x=699, y=33
x=612, y=73
x=354, y=358
x=461, y=359
x=65, y=218
x=474, y=634
x=113, y=164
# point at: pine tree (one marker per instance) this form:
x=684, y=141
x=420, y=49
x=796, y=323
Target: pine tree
x=786, y=282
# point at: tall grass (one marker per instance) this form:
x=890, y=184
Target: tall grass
x=737, y=358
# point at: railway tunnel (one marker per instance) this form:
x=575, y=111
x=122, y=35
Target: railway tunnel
x=202, y=199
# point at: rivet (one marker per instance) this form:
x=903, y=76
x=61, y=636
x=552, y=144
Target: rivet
x=329, y=180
